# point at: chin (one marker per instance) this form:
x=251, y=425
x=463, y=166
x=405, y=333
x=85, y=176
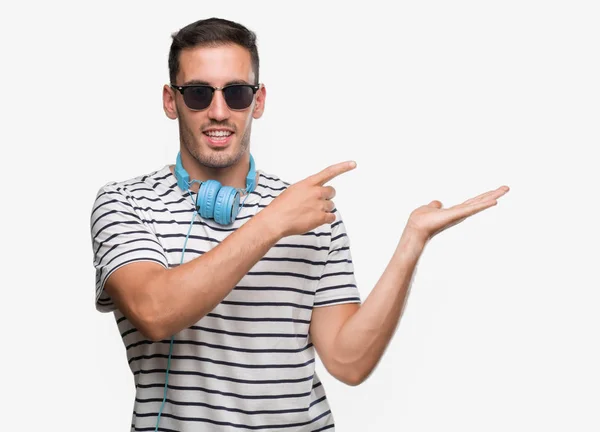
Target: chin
x=219, y=157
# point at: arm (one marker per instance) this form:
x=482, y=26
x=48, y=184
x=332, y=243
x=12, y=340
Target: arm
x=351, y=340
x=160, y=302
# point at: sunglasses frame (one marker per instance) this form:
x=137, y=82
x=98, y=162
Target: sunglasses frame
x=181, y=89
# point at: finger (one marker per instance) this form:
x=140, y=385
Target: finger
x=435, y=204
x=496, y=193
x=464, y=211
x=328, y=206
x=329, y=218
x=327, y=192
x=331, y=172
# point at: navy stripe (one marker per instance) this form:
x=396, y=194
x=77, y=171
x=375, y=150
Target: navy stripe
x=268, y=304
x=299, y=260
x=297, y=246
x=274, y=178
x=271, y=288
x=128, y=332
x=263, y=259
x=272, y=188
x=236, y=425
x=288, y=245
x=352, y=299
x=221, y=347
x=229, y=394
x=222, y=378
x=249, y=319
x=169, y=174
x=198, y=237
x=221, y=362
x=316, y=401
x=153, y=428
x=339, y=236
x=339, y=249
x=323, y=428
x=335, y=287
x=251, y=335
x=337, y=274
x=290, y=274
x=222, y=408
x=349, y=261
x=316, y=234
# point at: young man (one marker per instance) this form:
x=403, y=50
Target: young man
x=223, y=292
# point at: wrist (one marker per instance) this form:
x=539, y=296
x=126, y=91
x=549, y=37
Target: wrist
x=412, y=241
x=269, y=225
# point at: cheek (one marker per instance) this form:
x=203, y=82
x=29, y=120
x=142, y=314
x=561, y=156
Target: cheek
x=246, y=120
x=190, y=122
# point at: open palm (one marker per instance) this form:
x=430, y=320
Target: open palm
x=431, y=219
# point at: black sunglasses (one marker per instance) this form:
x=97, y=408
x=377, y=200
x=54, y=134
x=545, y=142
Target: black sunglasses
x=198, y=97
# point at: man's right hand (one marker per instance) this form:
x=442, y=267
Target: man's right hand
x=307, y=204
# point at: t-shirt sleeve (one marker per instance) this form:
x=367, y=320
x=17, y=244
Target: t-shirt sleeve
x=119, y=237
x=337, y=283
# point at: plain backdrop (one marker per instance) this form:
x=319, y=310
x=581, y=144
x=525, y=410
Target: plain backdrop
x=432, y=99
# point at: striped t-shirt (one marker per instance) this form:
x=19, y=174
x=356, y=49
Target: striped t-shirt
x=249, y=364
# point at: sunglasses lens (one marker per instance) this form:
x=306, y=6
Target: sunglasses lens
x=197, y=98
x=238, y=96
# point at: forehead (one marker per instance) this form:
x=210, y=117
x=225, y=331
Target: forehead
x=216, y=65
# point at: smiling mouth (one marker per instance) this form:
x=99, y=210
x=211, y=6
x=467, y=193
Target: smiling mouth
x=218, y=136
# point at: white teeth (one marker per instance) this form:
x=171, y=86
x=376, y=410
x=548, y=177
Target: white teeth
x=218, y=133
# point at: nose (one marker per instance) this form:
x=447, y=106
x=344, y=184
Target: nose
x=218, y=109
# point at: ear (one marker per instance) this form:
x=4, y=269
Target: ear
x=169, y=104
x=259, y=104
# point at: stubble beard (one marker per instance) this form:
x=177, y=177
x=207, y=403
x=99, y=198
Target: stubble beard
x=213, y=159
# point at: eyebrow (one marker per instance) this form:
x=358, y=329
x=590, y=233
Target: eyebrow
x=200, y=82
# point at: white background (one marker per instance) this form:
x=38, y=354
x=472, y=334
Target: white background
x=433, y=99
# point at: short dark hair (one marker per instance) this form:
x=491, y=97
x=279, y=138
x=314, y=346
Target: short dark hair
x=212, y=32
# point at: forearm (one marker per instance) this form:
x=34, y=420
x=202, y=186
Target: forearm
x=363, y=339
x=188, y=292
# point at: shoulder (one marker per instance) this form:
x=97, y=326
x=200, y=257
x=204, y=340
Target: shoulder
x=138, y=186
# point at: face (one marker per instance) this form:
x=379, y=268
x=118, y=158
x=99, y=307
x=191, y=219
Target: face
x=217, y=136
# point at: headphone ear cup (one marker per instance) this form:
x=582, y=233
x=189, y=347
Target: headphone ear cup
x=227, y=205
x=206, y=199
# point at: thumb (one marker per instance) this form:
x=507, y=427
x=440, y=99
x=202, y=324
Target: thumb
x=435, y=204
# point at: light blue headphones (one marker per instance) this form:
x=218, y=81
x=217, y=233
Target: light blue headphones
x=214, y=201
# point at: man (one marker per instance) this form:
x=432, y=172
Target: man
x=225, y=280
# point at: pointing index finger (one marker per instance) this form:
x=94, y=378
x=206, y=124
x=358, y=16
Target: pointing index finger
x=333, y=171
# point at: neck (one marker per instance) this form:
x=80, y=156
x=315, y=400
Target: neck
x=234, y=175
